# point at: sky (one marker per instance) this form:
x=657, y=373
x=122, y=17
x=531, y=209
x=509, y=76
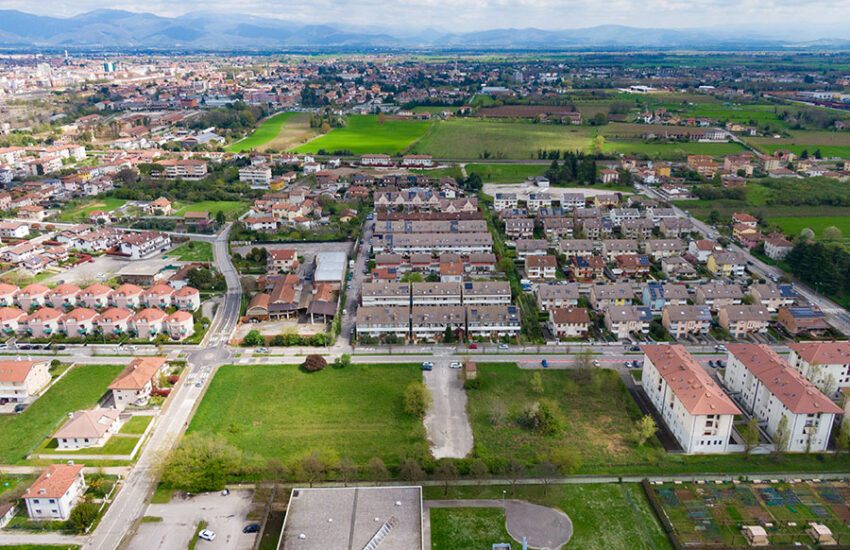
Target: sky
x=801, y=18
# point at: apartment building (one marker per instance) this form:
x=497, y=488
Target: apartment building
x=682, y=321
x=624, y=321
x=611, y=248
x=541, y=267
x=660, y=295
x=603, y=296
x=718, y=295
x=664, y=248
x=742, y=320
x=824, y=364
x=431, y=243
x=20, y=380
x=486, y=293
x=552, y=295
x=569, y=322
x=773, y=296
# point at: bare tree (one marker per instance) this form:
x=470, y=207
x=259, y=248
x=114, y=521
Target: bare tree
x=514, y=471
x=446, y=471
x=347, y=470
x=750, y=435
x=377, y=470
x=548, y=473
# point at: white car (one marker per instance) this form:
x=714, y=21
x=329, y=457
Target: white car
x=206, y=534
x=504, y=346
x=455, y=365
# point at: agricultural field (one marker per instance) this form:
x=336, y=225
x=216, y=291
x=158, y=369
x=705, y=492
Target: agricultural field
x=713, y=514
x=505, y=173
x=193, y=251
x=453, y=528
x=81, y=212
x=604, y=516
x=232, y=209
x=794, y=225
x=278, y=133
x=830, y=144
x=285, y=412
x=80, y=388
x=672, y=151
x=365, y=134
x=598, y=416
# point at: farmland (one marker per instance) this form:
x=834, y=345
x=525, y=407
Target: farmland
x=80, y=388
x=365, y=134
x=284, y=412
x=830, y=144
x=279, y=133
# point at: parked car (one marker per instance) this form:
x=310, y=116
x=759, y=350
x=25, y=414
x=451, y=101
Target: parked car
x=637, y=364
x=504, y=346
x=206, y=534
x=719, y=347
x=473, y=346
x=545, y=364
x=455, y=365
x=721, y=364
x=252, y=528
x=634, y=348
x=711, y=363
x=262, y=350
x=20, y=407
x=627, y=364
x=427, y=365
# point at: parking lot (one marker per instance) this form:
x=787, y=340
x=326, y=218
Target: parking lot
x=88, y=272
x=225, y=515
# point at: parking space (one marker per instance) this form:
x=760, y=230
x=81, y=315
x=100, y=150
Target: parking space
x=89, y=272
x=225, y=515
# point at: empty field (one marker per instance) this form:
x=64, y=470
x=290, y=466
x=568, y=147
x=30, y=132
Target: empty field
x=453, y=528
x=82, y=211
x=232, y=209
x=284, y=412
x=505, y=173
x=279, y=132
x=830, y=144
x=364, y=134
x=193, y=251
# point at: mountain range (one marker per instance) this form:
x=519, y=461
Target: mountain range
x=111, y=29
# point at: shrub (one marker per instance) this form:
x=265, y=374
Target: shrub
x=417, y=399
x=314, y=363
x=82, y=516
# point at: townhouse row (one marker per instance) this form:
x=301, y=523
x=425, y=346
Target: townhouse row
x=430, y=322
x=99, y=296
x=392, y=293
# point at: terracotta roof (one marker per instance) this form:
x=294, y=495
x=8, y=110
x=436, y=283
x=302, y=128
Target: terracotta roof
x=128, y=290
x=179, y=316
x=97, y=289
x=34, y=288
x=187, y=291
x=115, y=314
x=570, y=316
x=159, y=290
x=692, y=385
x=80, y=314
x=149, y=314
x=54, y=482
x=820, y=353
x=45, y=314
x=16, y=371
x=8, y=313
x=137, y=374
x=87, y=424
x=6, y=288
x=788, y=385
x=66, y=289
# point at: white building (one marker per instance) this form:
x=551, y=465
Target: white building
x=140, y=245
x=824, y=364
x=22, y=379
x=86, y=429
x=769, y=389
x=692, y=405
x=256, y=175
x=55, y=493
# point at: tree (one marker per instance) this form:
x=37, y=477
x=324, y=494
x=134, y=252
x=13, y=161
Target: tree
x=714, y=217
x=584, y=365
x=807, y=233
x=479, y=470
x=832, y=233
x=446, y=471
x=544, y=417
x=347, y=470
x=566, y=459
x=314, y=363
x=514, y=471
x=344, y=360
x=377, y=470
x=781, y=437
x=311, y=469
x=276, y=470
x=842, y=440
x=220, y=217
x=750, y=435
x=202, y=462
x=417, y=399
x=645, y=429
x=536, y=383
x=82, y=516
x=254, y=339
x=200, y=278
x=547, y=473
x=410, y=470
x=412, y=277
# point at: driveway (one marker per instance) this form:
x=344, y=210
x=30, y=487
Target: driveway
x=225, y=515
x=447, y=423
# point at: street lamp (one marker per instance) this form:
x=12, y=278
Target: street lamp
x=503, y=497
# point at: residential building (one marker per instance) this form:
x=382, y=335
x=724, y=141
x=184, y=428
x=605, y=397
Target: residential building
x=7, y=294
x=531, y=247
x=675, y=227
x=141, y=245
x=486, y=293
x=611, y=248
x=481, y=263
x=259, y=175
x=726, y=264
x=161, y=206
x=717, y=295
x=95, y=296
x=773, y=296
x=436, y=294
x=803, y=320
x=519, y=228
x=681, y=321
x=158, y=296
x=589, y=268
x=55, y=493
x=505, y=201
x=187, y=169
x=127, y=296
x=624, y=321
x=632, y=266
x=134, y=384
x=12, y=320
x=64, y=296
x=85, y=429
x=385, y=293
x=777, y=247
x=637, y=229
x=282, y=260
x=492, y=321
x=14, y=230
x=20, y=380
x=577, y=248
x=79, y=322
x=556, y=229
x=115, y=321
x=44, y=322
x=187, y=298
x=603, y=296
x=147, y=323
x=824, y=364
x=742, y=320
x=569, y=322
x=701, y=249
x=541, y=267
x=179, y=325
x=693, y=407
x=32, y=295
x=429, y=322
x=379, y=321
x=657, y=296
x=551, y=296
x=770, y=390
x=664, y=248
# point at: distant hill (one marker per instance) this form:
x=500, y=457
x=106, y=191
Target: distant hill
x=110, y=29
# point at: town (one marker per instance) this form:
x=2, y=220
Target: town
x=389, y=300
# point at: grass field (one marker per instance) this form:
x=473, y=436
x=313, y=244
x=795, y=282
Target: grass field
x=232, y=209
x=505, y=173
x=364, y=134
x=671, y=150
x=605, y=517
x=82, y=211
x=454, y=528
x=78, y=389
x=136, y=425
x=284, y=412
x=599, y=416
x=830, y=144
x=280, y=131
x=115, y=446
x=193, y=251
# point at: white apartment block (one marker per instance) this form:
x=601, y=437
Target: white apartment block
x=436, y=294
x=388, y=293
x=824, y=364
x=694, y=408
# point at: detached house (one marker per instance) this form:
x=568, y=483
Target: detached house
x=682, y=321
x=55, y=493
x=20, y=380
x=134, y=384
x=743, y=319
x=85, y=429
x=569, y=322
x=551, y=296
x=623, y=321
x=541, y=267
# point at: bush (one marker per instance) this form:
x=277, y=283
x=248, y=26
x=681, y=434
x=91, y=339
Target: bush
x=314, y=363
x=254, y=339
x=82, y=516
x=543, y=417
x=417, y=399
x=201, y=463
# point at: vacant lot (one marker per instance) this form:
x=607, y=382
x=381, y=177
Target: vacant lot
x=82, y=211
x=365, y=134
x=598, y=415
x=453, y=528
x=80, y=388
x=193, y=251
x=232, y=209
x=279, y=132
x=605, y=517
x=284, y=412
x=670, y=150
x=505, y=173
x=830, y=144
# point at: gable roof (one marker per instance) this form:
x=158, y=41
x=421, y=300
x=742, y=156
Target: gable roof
x=822, y=353
x=88, y=424
x=137, y=374
x=54, y=482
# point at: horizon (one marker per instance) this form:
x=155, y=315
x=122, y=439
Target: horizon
x=484, y=15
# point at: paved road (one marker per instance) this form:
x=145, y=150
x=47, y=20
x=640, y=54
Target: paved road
x=447, y=423
x=352, y=298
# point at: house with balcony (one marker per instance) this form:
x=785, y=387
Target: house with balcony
x=379, y=321
x=519, y=228
x=603, y=296
x=64, y=296
x=824, y=364
x=134, y=384
x=7, y=295
x=556, y=229
x=640, y=229
x=773, y=296
x=55, y=493
x=32, y=296
x=660, y=295
x=718, y=295
x=552, y=295
x=158, y=296
x=676, y=267
x=726, y=264
x=493, y=321
x=95, y=296
x=682, y=321
x=20, y=380
x=148, y=323
x=625, y=321
x=12, y=320
x=436, y=294
x=694, y=408
x=531, y=247
x=611, y=248
x=569, y=322
x=385, y=293
x=179, y=325
x=486, y=293
x=79, y=322
x=187, y=298
x=429, y=322
x=589, y=268
x=742, y=320
x=803, y=320
x=541, y=267
x=577, y=248
x=115, y=321
x=127, y=296
x=44, y=322
x=771, y=390
x=664, y=248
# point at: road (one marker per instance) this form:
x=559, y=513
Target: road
x=352, y=297
x=447, y=423
x=130, y=502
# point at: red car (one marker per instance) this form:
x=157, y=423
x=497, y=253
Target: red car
x=473, y=346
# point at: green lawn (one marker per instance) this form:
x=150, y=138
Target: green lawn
x=193, y=251
x=80, y=388
x=793, y=225
x=136, y=425
x=82, y=211
x=282, y=411
x=830, y=144
x=456, y=528
x=505, y=173
x=598, y=415
x=265, y=133
x=671, y=150
x=114, y=446
x=364, y=134
x=232, y=209
x=604, y=516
